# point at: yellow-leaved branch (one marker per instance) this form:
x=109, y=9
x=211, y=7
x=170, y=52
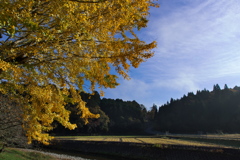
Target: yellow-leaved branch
x=50, y=49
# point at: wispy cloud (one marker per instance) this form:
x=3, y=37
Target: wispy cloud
x=129, y=90
x=198, y=43
x=200, y=39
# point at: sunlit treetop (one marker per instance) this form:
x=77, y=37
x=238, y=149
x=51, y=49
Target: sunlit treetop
x=48, y=49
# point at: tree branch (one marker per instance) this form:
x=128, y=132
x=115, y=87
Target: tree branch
x=11, y=126
x=99, y=1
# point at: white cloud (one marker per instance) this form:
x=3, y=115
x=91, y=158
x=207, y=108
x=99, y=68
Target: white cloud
x=198, y=45
x=183, y=82
x=201, y=40
x=129, y=90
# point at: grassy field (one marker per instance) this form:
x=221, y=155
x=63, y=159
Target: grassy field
x=16, y=154
x=222, y=141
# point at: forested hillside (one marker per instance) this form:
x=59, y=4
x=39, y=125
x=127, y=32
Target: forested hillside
x=205, y=111
x=214, y=111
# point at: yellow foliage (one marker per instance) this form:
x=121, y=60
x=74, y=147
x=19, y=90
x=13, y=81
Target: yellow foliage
x=50, y=48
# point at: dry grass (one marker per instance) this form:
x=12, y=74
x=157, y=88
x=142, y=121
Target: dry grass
x=224, y=136
x=90, y=139
x=210, y=140
x=114, y=139
x=133, y=140
x=145, y=140
x=176, y=142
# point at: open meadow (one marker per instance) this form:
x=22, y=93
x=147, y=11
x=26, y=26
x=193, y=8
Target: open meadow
x=211, y=140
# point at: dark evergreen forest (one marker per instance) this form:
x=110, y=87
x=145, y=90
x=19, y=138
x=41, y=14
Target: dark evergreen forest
x=216, y=111
x=205, y=111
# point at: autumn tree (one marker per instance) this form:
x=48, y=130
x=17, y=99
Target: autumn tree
x=50, y=48
x=94, y=126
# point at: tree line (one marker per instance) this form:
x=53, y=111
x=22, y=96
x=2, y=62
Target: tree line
x=116, y=117
x=205, y=111
x=216, y=111
x=213, y=111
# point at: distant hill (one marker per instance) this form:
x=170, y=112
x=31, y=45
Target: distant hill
x=206, y=111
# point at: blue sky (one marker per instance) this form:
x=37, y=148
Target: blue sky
x=198, y=46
